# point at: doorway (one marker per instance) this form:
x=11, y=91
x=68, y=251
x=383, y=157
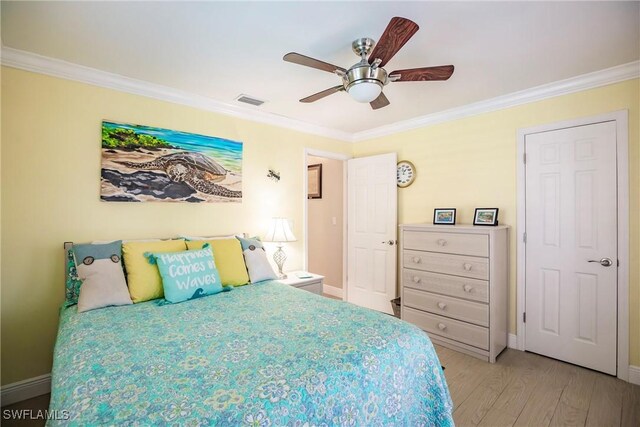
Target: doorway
x=573, y=242
x=325, y=219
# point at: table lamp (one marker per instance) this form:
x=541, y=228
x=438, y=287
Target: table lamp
x=280, y=232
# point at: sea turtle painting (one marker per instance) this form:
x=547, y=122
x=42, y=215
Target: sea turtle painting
x=195, y=169
x=141, y=163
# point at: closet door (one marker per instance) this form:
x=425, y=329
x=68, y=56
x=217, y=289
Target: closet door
x=571, y=249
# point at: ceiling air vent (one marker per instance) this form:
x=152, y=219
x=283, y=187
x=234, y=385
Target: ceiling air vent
x=249, y=100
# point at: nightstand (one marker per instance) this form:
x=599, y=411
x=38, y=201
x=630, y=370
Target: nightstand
x=312, y=284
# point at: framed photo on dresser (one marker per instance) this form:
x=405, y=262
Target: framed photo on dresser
x=444, y=216
x=486, y=216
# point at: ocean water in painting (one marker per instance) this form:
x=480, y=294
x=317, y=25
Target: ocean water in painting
x=146, y=164
x=225, y=151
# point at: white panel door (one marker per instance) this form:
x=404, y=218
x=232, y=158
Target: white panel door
x=372, y=231
x=571, y=224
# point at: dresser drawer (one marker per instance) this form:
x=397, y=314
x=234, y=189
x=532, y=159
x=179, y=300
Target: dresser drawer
x=451, y=243
x=476, y=336
x=463, y=287
x=477, y=268
x=467, y=311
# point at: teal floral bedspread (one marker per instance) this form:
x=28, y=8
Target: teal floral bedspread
x=261, y=355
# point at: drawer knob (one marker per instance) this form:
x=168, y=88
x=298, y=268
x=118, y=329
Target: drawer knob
x=442, y=242
x=417, y=260
x=416, y=279
x=442, y=305
x=467, y=288
x=442, y=326
x=467, y=266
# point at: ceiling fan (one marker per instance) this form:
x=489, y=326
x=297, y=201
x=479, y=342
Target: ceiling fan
x=365, y=79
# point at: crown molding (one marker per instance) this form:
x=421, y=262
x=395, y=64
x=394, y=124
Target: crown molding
x=57, y=68
x=28, y=61
x=592, y=80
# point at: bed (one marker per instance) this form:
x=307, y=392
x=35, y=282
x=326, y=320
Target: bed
x=263, y=354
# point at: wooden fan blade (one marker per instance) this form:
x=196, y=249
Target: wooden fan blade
x=442, y=72
x=379, y=102
x=397, y=33
x=296, y=58
x=320, y=95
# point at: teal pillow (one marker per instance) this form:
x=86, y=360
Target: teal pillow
x=248, y=243
x=73, y=283
x=188, y=274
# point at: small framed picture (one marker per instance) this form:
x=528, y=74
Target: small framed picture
x=444, y=216
x=314, y=189
x=486, y=216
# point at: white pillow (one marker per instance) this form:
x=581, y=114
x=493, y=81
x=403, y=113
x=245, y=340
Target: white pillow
x=103, y=284
x=258, y=265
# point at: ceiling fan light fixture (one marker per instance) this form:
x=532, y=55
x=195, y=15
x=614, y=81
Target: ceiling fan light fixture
x=365, y=79
x=365, y=90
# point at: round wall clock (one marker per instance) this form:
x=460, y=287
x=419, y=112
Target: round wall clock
x=406, y=173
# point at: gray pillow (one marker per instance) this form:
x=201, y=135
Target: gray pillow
x=103, y=282
x=258, y=266
x=250, y=243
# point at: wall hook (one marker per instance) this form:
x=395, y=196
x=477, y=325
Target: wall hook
x=273, y=175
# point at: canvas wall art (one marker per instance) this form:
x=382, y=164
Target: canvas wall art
x=148, y=164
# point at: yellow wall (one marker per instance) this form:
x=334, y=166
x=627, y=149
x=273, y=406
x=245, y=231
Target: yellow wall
x=50, y=170
x=50, y=194
x=471, y=162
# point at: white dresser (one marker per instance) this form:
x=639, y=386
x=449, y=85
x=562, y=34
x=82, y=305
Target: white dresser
x=454, y=285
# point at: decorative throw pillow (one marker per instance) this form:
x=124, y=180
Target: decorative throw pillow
x=256, y=259
x=248, y=243
x=72, y=288
x=188, y=274
x=103, y=283
x=228, y=258
x=143, y=278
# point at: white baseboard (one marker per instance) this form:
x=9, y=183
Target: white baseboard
x=26, y=389
x=634, y=374
x=332, y=290
x=512, y=341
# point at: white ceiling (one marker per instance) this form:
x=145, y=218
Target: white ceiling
x=223, y=49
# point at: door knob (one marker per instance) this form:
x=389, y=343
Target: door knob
x=389, y=242
x=605, y=262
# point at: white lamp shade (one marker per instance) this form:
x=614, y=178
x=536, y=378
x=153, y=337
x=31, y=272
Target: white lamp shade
x=365, y=91
x=279, y=231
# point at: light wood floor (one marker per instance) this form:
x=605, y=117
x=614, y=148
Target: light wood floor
x=524, y=389
x=519, y=389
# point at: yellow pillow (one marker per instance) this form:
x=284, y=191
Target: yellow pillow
x=143, y=278
x=229, y=260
